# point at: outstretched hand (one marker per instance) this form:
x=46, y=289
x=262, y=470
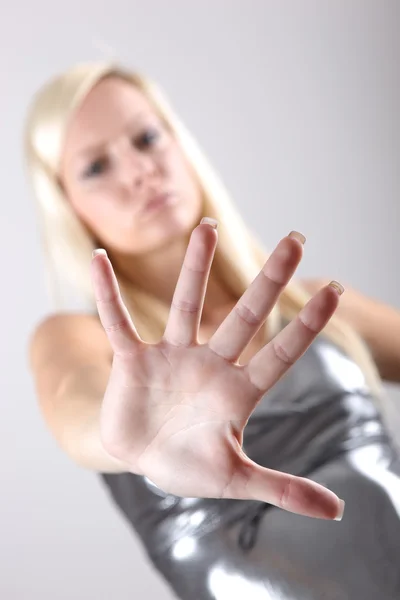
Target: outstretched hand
x=175, y=411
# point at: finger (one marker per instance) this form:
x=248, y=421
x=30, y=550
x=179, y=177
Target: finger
x=276, y=357
x=250, y=312
x=187, y=303
x=294, y=494
x=113, y=313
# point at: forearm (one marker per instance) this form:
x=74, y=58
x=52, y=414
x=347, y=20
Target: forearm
x=76, y=420
x=377, y=323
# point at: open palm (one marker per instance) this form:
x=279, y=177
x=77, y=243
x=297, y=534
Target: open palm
x=175, y=411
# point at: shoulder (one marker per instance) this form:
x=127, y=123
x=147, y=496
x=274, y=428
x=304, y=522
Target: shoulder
x=64, y=324
x=66, y=332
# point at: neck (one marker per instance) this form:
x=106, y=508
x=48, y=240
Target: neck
x=157, y=273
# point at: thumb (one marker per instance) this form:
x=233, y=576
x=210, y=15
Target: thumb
x=289, y=492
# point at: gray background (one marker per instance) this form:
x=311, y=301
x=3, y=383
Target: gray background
x=297, y=105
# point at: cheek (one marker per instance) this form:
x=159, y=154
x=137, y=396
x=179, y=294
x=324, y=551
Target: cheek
x=181, y=173
x=94, y=209
x=81, y=205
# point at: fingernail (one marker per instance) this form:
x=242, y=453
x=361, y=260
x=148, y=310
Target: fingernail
x=339, y=516
x=337, y=286
x=298, y=236
x=209, y=221
x=99, y=251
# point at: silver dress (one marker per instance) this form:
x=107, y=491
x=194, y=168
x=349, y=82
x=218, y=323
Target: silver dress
x=321, y=422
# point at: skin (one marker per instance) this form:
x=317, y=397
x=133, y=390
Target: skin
x=170, y=409
x=137, y=156
x=174, y=411
x=118, y=154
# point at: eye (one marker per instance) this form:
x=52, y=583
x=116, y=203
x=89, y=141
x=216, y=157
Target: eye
x=147, y=139
x=97, y=167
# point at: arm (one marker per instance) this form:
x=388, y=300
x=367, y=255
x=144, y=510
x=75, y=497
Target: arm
x=377, y=323
x=70, y=359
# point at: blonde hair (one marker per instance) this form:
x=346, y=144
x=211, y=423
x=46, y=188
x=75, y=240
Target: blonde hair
x=68, y=244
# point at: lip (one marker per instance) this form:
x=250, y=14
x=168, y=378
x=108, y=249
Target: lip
x=159, y=201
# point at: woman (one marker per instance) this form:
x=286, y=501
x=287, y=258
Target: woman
x=183, y=400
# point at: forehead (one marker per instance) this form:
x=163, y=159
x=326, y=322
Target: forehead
x=110, y=96
x=110, y=105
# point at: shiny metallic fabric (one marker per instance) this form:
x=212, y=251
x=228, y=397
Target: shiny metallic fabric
x=321, y=422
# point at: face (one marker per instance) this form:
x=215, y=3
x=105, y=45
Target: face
x=124, y=174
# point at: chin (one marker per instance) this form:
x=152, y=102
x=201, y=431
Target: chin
x=162, y=230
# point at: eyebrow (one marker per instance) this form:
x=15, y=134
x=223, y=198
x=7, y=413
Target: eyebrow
x=95, y=148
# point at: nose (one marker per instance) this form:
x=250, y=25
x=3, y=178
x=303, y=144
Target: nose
x=138, y=167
